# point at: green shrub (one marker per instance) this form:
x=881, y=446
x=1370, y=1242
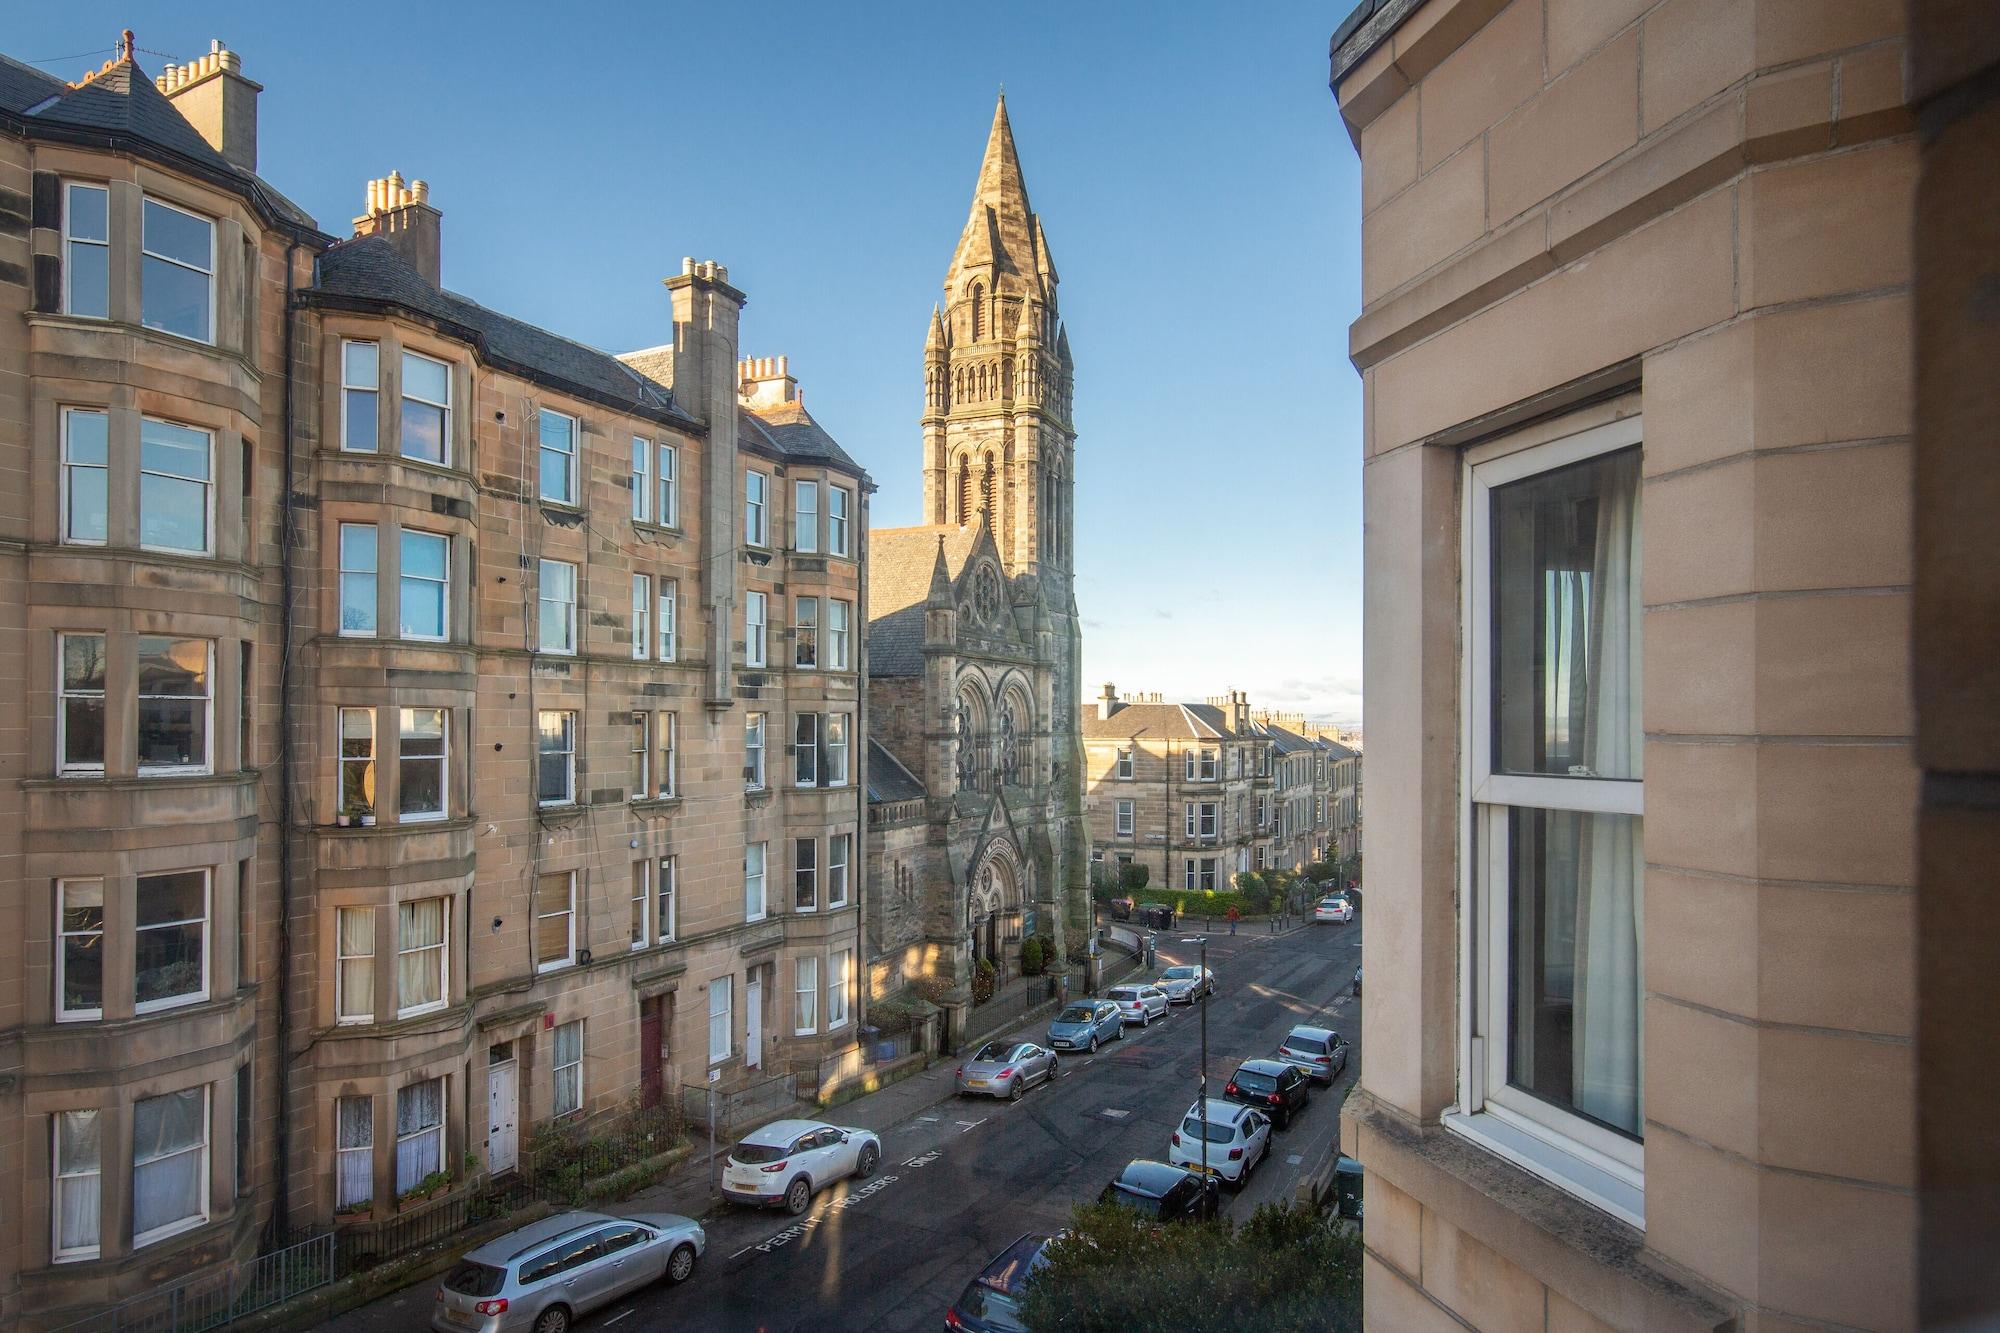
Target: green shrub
x=1031, y=956
x=983, y=981
x=1133, y=878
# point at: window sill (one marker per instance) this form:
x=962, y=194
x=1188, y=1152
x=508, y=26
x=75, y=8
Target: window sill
x=1583, y=1175
x=655, y=804
x=158, y=1234
x=543, y=969
x=152, y=1007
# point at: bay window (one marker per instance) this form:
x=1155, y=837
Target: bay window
x=354, y=965
x=177, y=272
x=80, y=710
x=805, y=631
x=419, y=1133
x=357, y=760
x=79, y=949
x=420, y=764
x=360, y=394
x=86, y=476
x=1550, y=1068
x=425, y=586
x=176, y=487
x=838, y=848
x=557, y=454
x=176, y=706
x=838, y=968
x=838, y=614
x=357, y=579
x=169, y=1164
x=805, y=874
x=837, y=500
x=86, y=250
x=426, y=423
x=354, y=1151
x=421, y=934
x=805, y=749
x=805, y=516
x=170, y=951
x=836, y=750
x=805, y=991
x=78, y=1163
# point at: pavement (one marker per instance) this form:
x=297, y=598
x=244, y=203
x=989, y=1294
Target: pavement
x=961, y=1179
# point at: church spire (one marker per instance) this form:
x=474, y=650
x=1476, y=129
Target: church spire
x=1000, y=231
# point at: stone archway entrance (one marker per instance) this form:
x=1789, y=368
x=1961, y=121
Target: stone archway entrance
x=993, y=902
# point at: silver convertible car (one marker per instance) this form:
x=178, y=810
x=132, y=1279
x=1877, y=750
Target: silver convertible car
x=1006, y=1069
x=1084, y=1023
x=1185, y=985
x=543, y=1277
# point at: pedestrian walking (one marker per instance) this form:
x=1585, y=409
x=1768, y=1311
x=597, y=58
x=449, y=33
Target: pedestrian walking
x=1233, y=914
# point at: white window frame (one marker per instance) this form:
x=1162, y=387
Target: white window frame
x=805, y=616
x=568, y=913
x=207, y=920
x=565, y=575
x=442, y=759
x=64, y=765
x=208, y=334
x=58, y=1174
x=756, y=509
x=343, y=761
x=805, y=749
x=343, y=1002
x=404, y=578
x=666, y=905
x=839, y=511
x=666, y=741
x=670, y=591
x=1124, y=819
x=724, y=989
x=756, y=629
x=444, y=409
x=568, y=456
x=839, y=616
x=208, y=488
x=557, y=1068
x=839, y=854
x=64, y=934
x=1588, y=1160
x=438, y=1129
x=443, y=950
x=805, y=875
x=838, y=979
x=669, y=508
x=140, y=1239
x=642, y=746
x=805, y=995
x=756, y=877
x=342, y=1151
x=71, y=241
x=834, y=771
x=1123, y=769
x=348, y=387
x=755, y=739
x=640, y=927
x=805, y=517
x=642, y=619
x=642, y=479
x=66, y=488
x=373, y=573
x=569, y=760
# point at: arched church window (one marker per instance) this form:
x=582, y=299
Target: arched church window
x=978, y=311
x=964, y=492
x=987, y=490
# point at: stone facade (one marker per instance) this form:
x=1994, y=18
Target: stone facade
x=1652, y=263
x=976, y=832
x=383, y=760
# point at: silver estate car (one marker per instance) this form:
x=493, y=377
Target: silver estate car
x=545, y=1276
x=1185, y=985
x=1006, y=1069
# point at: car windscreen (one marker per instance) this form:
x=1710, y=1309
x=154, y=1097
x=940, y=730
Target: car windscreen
x=1076, y=1013
x=1142, y=1203
x=994, y=1052
x=1123, y=993
x=1310, y=1045
x=1178, y=974
x=756, y=1154
x=1208, y=1129
x=1252, y=1081
x=470, y=1279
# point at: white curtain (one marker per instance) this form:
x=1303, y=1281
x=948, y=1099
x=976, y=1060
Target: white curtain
x=354, y=1169
x=168, y=1135
x=419, y=1132
x=357, y=961
x=1608, y=1078
x=420, y=948
x=77, y=1165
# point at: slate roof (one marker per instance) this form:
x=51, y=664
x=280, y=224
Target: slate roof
x=900, y=561
x=888, y=780
x=1177, y=721
x=790, y=431
x=1282, y=741
x=122, y=105
x=369, y=272
x=1337, y=750
x=1213, y=718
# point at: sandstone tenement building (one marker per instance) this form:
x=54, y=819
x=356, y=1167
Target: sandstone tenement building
x=426, y=726
x=975, y=828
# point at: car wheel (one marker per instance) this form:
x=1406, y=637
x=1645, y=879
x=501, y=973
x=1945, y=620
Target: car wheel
x=680, y=1264
x=555, y=1319
x=798, y=1196
x=1145, y=1017
x=1014, y=1089
x=1093, y=1043
x=1055, y=1068
x=1120, y=1033
x=871, y=1157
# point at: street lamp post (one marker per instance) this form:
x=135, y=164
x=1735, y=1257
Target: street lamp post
x=1202, y=1106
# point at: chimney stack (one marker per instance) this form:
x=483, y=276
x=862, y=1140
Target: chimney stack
x=1107, y=703
x=213, y=96
x=765, y=382
x=403, y=214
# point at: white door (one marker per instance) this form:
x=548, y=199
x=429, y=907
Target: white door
x=503, y=1106
x=753, y=1024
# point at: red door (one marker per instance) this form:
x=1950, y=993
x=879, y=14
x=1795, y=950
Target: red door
x=652, y=1042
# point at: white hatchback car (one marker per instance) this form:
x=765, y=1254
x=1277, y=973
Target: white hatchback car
x=1138, y=1004
x=1334, y=909
x=788, y=1161
x=1238, y=1137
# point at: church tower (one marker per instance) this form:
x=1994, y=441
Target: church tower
x=997, y=429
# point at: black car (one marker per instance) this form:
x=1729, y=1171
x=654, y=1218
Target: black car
x=1274, y=1086
x=991, y=1302
x=1166, y=1193
x=1158, y=916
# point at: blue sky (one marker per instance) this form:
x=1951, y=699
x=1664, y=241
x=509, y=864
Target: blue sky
x=1200, y=197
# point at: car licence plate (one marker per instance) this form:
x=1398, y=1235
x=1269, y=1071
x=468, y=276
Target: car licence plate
x=975, y=1083
x=463, y=1318
x=1060, y=1045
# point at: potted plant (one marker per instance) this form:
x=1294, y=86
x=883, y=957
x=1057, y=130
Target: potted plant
x=359, y=1208
x=365, y=815
x=432, y=1185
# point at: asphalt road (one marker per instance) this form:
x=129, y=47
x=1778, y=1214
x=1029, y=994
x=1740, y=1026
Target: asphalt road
x=961, y=1179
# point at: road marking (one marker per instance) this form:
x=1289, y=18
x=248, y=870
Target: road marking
x=615, y=1318
x=1115, y=1113
x=926, y=1159
x=1293, y=1159
x=967, y=1126
x=927, y=1120
x=807, y=1223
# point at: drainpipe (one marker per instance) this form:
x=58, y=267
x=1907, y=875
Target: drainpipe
x=281, y=1223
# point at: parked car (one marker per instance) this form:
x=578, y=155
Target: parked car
x=1085, y=1023
x=1238, y=1137
x=1006, y=1069
x=1139, y=1003
x=1357, y=982
x=1156, y=916
x=547, y=1274
x=1276, y=1086
x=1321, y=1052
x=1333, y=909
x=1165, y=1192
x=1121, y=909
x=991, y=1302
x=786, y=1162
x=1185, y=985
